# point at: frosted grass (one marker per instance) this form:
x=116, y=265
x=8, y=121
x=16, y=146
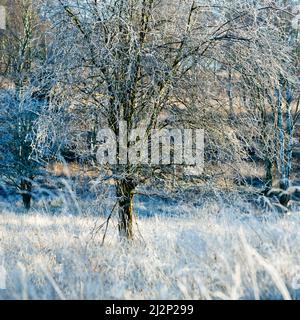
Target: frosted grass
x=208, y=254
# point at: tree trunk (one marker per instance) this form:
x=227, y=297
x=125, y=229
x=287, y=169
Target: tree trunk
x=26, y=188
x=290, y=134
x=268, y=152
x=269, y=173
x=230, y=94
x=281, y=142
x=125, y=189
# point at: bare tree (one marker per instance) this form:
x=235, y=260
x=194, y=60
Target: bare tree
x=155, y=63
x=23, y=94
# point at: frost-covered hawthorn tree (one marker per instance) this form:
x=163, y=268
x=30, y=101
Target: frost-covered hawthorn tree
x=245, y=76
x=24, y=92
x=141, y=62
x=17, y=164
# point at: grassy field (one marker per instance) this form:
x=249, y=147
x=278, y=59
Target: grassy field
x=207, y=253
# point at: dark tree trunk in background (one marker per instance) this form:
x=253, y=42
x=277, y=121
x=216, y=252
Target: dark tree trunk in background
x=290, y=135
x=281, y=141
x=230, y=94
x=26, y=188
x=268, y=151
x=269, y=173
x=125, y=190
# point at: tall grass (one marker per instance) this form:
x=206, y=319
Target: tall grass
x=207, y=253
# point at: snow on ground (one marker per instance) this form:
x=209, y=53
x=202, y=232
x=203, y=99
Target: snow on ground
x=207, y=254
